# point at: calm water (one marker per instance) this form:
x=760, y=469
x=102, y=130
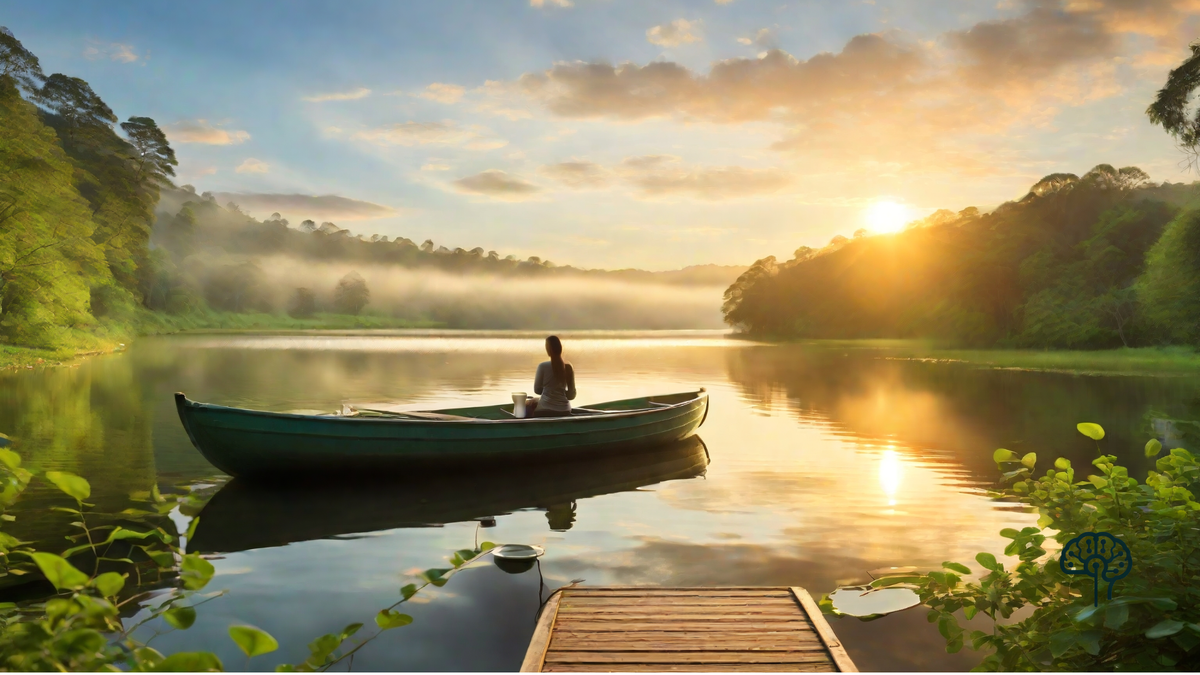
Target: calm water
x=816, y=465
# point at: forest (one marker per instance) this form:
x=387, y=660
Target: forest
x=97, y=244
x=1103, y=260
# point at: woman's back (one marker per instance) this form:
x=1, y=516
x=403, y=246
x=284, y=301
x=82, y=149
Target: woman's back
x=555, y=395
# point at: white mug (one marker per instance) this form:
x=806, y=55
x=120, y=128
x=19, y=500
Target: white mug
x=518, y=398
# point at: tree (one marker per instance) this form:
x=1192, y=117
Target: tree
x=73, y=100
x=1170, y=288
x=1052, y=183
x=351, y=294
x=1170, y=107
x=19, y=63
x=48, y=261
x=427, y=247
x=153, y=155
x=303, y=304
x=308, y=226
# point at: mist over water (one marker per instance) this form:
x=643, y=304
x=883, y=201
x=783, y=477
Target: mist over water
x=494, y=301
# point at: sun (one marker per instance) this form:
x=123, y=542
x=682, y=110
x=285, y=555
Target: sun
x=887, y=216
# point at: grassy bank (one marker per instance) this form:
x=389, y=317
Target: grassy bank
x=1131, y=361
x=112, y=336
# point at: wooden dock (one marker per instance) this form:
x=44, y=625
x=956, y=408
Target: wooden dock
x=706, y=629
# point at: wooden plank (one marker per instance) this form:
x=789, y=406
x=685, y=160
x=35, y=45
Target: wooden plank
x=576, y=625
x=679, y=615
x=689, y=589
x=535, y=654
x=699, y=592
x=740, y=643
x=779, y=610
x=668, y=600
x=744, y=633
x=832, y=643
x=688, y=668
x=696, y=658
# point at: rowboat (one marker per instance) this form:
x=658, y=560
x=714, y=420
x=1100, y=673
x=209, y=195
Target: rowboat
x=260, y=444
x=244, y=516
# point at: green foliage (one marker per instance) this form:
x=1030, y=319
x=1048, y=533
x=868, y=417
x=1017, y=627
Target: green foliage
x=1171, y=106
x=81, y=628
x=1170, y=288
x=351, y=294
x=252, y=641
x=1152, y=621
x=1058, y=268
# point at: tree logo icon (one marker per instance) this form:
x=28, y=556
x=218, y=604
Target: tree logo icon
x=1098, y=555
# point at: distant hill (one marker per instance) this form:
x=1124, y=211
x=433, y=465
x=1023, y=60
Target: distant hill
x=188, y=223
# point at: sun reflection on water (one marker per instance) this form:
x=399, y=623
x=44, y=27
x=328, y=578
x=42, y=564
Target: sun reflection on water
x=891, y=474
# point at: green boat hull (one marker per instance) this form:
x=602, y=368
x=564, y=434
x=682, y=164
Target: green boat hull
x=258, y=444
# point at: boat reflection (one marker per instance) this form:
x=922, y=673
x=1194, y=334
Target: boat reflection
x=243, y=516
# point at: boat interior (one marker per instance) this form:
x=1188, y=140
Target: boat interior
x=505, y=411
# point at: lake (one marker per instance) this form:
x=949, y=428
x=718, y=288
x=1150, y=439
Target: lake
x=818, y=463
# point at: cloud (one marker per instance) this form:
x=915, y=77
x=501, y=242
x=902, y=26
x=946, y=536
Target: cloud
x=435, y=166
x=431, y=133
x=115, y=51
x=723, y=2
x=666, y=176
x=887, y=102
x=251, y=165
x=543, y=3
x=496, y=184
x=443, y=93
x=298, y=206
x=200, y=131
x=679, y=31
x=577, y=174
x=361, y=92
x=764, y=38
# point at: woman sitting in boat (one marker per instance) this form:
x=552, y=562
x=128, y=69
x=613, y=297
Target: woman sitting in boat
x=554, y=383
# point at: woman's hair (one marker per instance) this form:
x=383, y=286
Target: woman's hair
x=554, y=349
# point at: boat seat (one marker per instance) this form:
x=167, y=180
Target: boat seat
x=436, y=416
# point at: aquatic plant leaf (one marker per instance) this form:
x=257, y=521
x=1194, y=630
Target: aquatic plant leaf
x=1029, y=460
x=1116, y=616
x=486, y=546
x=1003, y=455
x=988, y=561
x=195, y=571
x=408, y=591
x=109, y=584
x=1062, y=464
x=388, y=619
x=1091, y=430
x=957, y=567
x=435, y=576
x=190, y=662
x=253, y=641
x=1153, y=447
x=350, y=630
x=59, y=572
x=1164, y=628
x=9, y=458
x=69, y=483
x=180, y=617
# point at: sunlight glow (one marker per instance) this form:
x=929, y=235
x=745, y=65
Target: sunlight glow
x=891, y=473
x=887, y=216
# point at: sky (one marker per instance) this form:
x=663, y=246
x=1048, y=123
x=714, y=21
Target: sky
x=625, y=133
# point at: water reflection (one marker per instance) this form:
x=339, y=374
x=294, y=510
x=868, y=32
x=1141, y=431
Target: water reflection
x=890, y=475
x=827, y=464
x=245, y=516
